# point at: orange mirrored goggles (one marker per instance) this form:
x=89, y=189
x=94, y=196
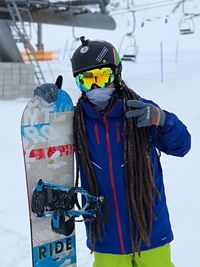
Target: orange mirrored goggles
x=100, y=77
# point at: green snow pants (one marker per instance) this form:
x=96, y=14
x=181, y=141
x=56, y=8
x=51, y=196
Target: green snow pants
x=157, y=257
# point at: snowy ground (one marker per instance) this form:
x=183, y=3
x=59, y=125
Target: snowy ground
x=179, y=94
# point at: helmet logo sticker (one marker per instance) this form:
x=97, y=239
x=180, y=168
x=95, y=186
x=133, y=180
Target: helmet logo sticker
x=102, y=54
x=84, y=49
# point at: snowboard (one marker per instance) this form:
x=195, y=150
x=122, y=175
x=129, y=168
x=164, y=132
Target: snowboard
x=47, y=141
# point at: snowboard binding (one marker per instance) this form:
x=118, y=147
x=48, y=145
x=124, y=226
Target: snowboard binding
x=47, y=198
x=60, y=225
x=59, y=201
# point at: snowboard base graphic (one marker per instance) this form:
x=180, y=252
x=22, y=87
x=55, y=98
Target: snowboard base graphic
x=47, y=140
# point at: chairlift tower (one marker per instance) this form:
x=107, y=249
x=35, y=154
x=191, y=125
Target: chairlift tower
x=21, y=36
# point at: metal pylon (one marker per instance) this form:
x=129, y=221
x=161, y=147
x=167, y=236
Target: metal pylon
x=20, y=35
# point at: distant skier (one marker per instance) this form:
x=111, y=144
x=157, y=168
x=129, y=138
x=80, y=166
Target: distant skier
x=118, y=136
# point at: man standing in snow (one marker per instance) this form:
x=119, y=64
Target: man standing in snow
x=117, y=135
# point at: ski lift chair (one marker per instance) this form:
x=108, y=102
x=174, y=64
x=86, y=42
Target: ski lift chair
x=69, y=51
x=128, y=44
x=186, y=25
x=130, y=52
x=74, y=43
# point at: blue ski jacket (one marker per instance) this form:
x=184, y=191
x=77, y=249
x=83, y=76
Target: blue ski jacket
x=105, y=144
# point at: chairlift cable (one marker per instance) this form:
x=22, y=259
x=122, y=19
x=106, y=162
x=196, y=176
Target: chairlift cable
x=143, y=7
x=168, y=2
x=158, y=6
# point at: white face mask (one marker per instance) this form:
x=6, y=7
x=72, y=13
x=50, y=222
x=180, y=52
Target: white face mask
x=100, y=97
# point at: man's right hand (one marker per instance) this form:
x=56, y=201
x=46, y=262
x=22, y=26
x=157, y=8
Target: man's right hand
x=49, y=91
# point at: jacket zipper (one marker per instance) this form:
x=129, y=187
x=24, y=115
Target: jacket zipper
x=113, y=185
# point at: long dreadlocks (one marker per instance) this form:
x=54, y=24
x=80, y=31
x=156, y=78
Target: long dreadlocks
x=138, y=174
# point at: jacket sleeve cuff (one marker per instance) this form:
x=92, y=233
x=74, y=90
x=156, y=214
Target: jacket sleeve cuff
x=172, y=138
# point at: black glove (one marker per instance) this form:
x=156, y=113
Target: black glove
x=49, y=91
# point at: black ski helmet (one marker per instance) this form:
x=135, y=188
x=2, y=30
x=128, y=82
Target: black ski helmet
x=94, y=54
